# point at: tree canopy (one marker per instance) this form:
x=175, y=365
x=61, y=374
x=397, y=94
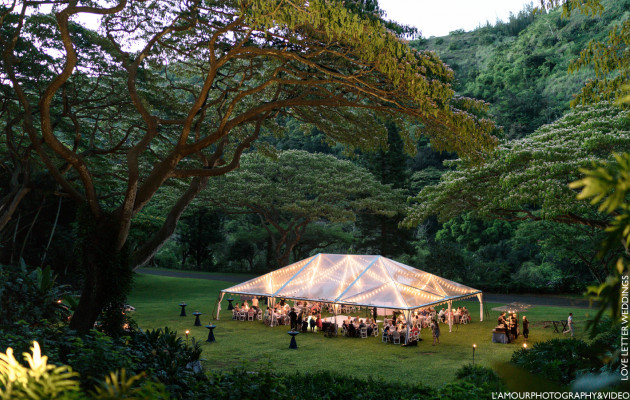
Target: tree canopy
x=297, y=190
x=528, y=178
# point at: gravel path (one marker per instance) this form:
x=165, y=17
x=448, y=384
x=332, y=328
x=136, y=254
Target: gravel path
x=536, y=300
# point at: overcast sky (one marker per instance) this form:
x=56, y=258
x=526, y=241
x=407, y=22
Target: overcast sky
x=439, y=17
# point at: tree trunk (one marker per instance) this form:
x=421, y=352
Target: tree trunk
x=107, y=273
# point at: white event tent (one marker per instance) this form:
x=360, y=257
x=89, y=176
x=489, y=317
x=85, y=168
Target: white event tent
x=360, y=280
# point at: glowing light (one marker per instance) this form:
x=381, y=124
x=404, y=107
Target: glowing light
x=474, y=346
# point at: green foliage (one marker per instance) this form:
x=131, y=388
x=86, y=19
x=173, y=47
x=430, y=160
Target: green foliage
x=30, y=294
x=90, y=355
x=520, y=65
x=118, y=386
x=509, y=184
x=480, y=376
x=264, y=384
x=557, y=359
x=328, y=190
x=38, y=381
x=541, y=276
x=200, y=232
x=606, y=184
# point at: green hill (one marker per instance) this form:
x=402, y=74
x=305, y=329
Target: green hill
x=520, y=66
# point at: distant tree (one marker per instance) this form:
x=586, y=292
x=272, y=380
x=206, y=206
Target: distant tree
x=380, y=234
x=199, y=232
x=297, y=190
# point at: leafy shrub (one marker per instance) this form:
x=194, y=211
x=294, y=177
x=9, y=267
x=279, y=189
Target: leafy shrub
x=30, y=295
x=38, y=380
x=266, y=384
x=165, y=356
x=93, y=355
x=480, y=376
x=557, y=359
x=463, y=390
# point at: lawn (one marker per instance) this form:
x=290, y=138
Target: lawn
x=157, y=299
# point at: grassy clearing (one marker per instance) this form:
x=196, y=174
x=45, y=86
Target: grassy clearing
x=156, y=299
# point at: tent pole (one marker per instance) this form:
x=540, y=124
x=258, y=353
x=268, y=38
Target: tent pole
x=408, y=315
x=480, y=298
x=219, y=305
x=271, y=302
x=450, y=318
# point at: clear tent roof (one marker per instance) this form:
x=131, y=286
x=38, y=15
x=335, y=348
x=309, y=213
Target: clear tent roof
x=373, y=281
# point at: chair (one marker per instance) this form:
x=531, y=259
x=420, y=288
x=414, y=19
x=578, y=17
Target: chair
x=260, y=315
x=364, y=332
x=375, y=331
x=385, y=337
x=234, y=314
x=344, y=330
x=396, y=337
x=250, y=316
x=463, y=319
x=242, y=315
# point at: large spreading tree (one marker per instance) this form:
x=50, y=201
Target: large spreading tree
x=300, y=189
x=179, y=90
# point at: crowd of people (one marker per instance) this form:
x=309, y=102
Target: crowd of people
x=509, y=324
x=352, y=327
x=460, y=315
x=304, y=315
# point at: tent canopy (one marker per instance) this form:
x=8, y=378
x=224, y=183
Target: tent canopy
x=364, y=280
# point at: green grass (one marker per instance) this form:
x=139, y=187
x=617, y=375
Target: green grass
x=156, y=299
x=239, y=275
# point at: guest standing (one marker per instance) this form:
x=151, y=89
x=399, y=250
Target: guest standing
x=525, y=327
x=569, y=325
x=435, y=327
x=293, y=316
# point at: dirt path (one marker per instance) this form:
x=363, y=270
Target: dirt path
x=533, y=299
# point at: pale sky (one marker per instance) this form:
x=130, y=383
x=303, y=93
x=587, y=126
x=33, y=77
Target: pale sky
x=439, y=17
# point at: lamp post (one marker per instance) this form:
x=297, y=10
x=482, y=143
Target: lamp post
x=187, y=332
x=474, y=347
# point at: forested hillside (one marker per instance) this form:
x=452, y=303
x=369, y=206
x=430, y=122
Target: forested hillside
x=520, y=66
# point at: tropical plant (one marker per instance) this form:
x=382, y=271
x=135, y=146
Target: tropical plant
x=38, y=381
x=31, y=295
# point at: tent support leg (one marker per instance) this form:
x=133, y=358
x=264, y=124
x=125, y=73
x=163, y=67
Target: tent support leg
x=450, y=317
x=219, y=305
x=480, y=298
x=408, y=316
